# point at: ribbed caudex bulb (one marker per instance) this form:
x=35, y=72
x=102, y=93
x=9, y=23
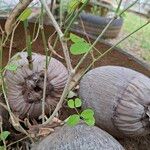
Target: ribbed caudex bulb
x=79, y=137
x=120, y=98
x=25, y=85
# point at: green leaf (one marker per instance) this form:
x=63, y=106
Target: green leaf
x=73, y=120
x=88, y=113
x=25, y=14
x=79, y=48
x=4, y=135
x=71, y=103
x=83, y=1
x=11, y=67
x=90, y=121
x=73, y=5
x=74, y=38
x=78, y=102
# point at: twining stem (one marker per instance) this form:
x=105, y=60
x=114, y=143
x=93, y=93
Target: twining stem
x=132, y=4
x=14, y=120
x=46, y=64
x=71, y=73
x=107, y=51
x=119, y=5
x=1, y=130
x=17, y=141
x=95, y=42
x=104, y=30
x=28, y=44
x=67, y=58
x=1, y=57
x=70, y=20
x=36, y=32
x=120, y=41
x=65, y=49
x=11, y=41
x=63, y=96
x=75, y=16
x=61, y=36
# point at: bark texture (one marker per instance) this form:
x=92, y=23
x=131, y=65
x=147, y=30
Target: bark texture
x=80, y=137
x=120, y=98
x=25, y=86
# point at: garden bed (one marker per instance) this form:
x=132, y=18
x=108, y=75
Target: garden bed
x=116, y=57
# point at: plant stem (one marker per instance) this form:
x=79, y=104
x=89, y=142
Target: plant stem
x=12, y=38
x=95, y=42
x=119, y=5
x=28, y=43
x=34, y=35
x=128, y=7
x=46, y=65
x=64, y=94
x=1, y=57
x=1, y=129
x=121, y=41
x=61, y=36
x=99, y=37
x=107, y=51
x=74, y=17
x=17, y=141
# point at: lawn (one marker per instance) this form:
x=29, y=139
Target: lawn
x=140, y=41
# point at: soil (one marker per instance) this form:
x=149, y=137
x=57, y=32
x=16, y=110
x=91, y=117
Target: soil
x=115, y=57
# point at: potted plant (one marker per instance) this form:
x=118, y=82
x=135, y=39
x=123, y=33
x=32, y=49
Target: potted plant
x=94, y=19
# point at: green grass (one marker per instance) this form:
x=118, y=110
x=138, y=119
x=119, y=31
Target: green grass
x=141, y=39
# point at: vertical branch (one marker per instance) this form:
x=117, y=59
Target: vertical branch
x=119, y=5
x=11, y=41
x=61, y=36
x=1, y=57
x=46, y=64
x=64, y=94
x=28, y=43
x=1, y=129
x=75, y=16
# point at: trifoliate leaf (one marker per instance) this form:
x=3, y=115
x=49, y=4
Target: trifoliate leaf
x=79, y=48
x=71, y=103
x=74, y=38
x=88, y=113
x=90, y=121
x=73, y=120
x=78, y=102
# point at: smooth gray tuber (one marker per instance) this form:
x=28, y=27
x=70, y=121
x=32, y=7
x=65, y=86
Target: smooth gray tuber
x=80, y=137
x=120, y=98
